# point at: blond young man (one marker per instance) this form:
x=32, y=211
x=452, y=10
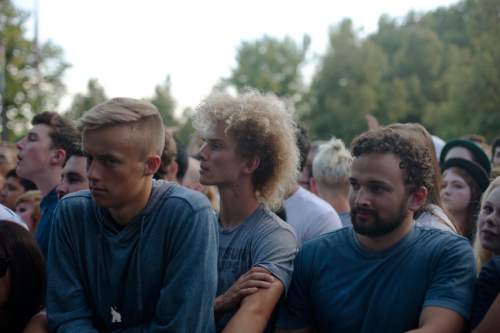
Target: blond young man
x=331, y=171
x=130, y=255
x=251, y=156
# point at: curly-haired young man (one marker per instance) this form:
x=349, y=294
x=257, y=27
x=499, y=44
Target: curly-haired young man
x=251, y=156
x=385, y=274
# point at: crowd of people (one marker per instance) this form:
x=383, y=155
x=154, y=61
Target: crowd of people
x=109, y=225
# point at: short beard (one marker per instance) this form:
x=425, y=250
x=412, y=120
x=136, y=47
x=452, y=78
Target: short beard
x=378, y=227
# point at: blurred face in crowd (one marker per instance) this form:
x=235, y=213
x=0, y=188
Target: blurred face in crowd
x=220, y=164
x=455, y=193
x=12, y=189
x=378, y=196
x=34, y=152
x=192, y=178
x=7, y=159
x=460, y=152
x=74, y=176
x=489, y=222
x=116, y=171
x=25, y=210
x=496, y=158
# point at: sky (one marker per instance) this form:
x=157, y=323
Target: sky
x=131, y=46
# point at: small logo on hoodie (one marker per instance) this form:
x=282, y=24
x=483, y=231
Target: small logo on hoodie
x=116, y=317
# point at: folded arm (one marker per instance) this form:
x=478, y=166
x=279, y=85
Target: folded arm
x=256, y=309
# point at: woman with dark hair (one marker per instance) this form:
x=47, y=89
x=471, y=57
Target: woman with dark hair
x=463, y=183
x=22, y=281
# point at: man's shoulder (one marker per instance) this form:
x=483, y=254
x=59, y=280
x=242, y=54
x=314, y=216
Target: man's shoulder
x=265, y=218
x=80, y=198
x=330, y=242
x=304, y=196
x=172, y=193
x=439, y=238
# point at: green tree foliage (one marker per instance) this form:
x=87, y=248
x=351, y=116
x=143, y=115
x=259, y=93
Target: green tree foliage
x=32, y=75
x=346, y=86
x=270, y=64
x=82, y=102
x=165, y=102
x=440, y=68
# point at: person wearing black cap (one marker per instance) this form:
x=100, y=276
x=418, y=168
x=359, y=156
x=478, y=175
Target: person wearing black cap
x=465, y=149
x=463, y=183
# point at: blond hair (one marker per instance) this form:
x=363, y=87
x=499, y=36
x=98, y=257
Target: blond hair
x=263, y=128
x=332, y=164
x=481, y=254
x=33, y=197
x=141, y=117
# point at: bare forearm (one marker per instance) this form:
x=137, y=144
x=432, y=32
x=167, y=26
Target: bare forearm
x=255, y=310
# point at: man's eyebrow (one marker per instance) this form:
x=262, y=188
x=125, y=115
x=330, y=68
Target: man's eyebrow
x=379, y=183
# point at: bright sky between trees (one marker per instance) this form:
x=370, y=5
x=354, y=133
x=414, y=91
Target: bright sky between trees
x=130, y=46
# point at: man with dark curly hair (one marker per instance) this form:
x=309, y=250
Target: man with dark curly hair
x=385, y=274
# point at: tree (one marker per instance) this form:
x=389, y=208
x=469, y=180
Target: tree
x=345, y=87
x=94, y=95
x=32, y=74
x=270, y=65
x=165, y=102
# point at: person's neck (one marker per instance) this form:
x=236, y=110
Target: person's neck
x=337, y=200
x=237, y=202
x=461, y=221
x=48, y=181
x=386, y=241
x=126, y=212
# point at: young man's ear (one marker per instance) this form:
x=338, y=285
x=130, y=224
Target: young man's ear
x=313, y=186
x=251, y=165
x=418, y=198
x=152, y=165
x=58, y=157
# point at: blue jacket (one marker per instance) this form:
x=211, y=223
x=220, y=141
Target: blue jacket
x=158, y=274
x=47, y=206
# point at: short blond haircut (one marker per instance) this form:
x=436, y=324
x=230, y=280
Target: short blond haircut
x=481, y=254
x=141, y=117
x=332, y=164
x=263, y=128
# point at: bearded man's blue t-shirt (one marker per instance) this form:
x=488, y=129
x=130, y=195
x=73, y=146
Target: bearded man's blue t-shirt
x=340, y=286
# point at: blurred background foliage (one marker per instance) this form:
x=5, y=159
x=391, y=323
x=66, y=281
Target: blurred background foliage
x=439, y=68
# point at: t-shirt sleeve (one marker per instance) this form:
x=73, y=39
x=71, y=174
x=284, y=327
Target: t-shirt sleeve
x=487, y=289
x=327, y=222
x=452, y=284
x=275, y=252
x=295, y=311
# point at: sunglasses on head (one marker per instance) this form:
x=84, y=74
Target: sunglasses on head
x=4, y=264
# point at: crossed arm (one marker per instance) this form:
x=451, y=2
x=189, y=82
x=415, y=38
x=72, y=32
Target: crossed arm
x=256, y=292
